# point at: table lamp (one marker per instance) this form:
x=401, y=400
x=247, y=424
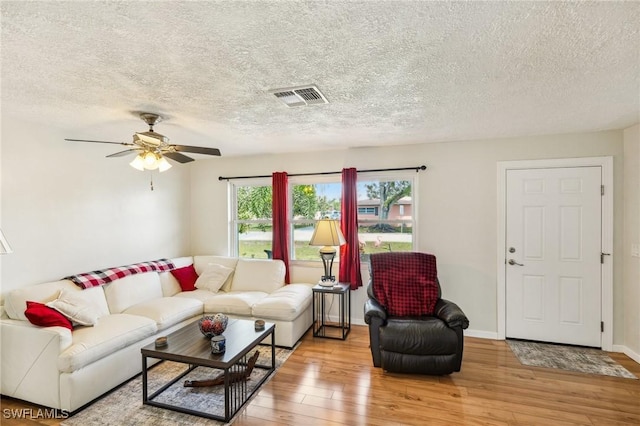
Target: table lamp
x=327, y=234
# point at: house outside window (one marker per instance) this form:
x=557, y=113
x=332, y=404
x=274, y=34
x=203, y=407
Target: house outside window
x=385, y=214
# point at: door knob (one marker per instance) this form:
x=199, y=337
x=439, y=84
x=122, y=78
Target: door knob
x=513, y=262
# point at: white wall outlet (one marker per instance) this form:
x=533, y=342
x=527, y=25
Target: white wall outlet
x=635, y=250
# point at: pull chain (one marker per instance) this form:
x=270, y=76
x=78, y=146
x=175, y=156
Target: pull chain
x=151, y=177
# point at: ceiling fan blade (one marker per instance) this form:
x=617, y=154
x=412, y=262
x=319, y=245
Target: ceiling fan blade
x=180, y=158
x=114, y=143
x=197, y=149
x=123, y=153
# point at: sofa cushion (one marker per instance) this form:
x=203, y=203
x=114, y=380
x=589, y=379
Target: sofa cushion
x=201, y=262
x=201, y=295
x=167, y=311
x=131, y=290
x=286, y=303
x=213, y=277
x=81, y=307
x=258, y=275
x=41, y=315
x=109, y=335
x=186, y=277
x=16, y=302
x=237, y=303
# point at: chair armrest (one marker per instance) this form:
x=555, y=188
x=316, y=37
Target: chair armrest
x=450, y=313
x=375, y=316
x=373, y=309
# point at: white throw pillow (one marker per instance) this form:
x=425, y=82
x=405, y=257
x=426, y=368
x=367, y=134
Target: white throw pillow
x=258, y=275
x=213, y=277
x=81, y=307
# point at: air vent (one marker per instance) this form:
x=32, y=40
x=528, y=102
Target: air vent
x=300, y=96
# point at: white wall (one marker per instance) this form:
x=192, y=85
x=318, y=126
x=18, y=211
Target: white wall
x=67, y=209
x=631, y=267
x=456, y=212
x=1, y=256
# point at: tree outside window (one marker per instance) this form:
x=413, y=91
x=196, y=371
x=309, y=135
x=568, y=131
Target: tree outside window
x=252, y=222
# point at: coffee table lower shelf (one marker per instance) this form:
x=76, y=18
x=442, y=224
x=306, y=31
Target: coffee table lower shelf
x=233, y=362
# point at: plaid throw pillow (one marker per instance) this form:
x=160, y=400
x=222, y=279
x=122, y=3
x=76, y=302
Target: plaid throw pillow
x=105, y=276
x=405, y=283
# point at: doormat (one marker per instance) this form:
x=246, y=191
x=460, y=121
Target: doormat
x=124, y=404
x=571, y=358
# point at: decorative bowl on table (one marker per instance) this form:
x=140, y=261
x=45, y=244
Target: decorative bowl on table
x=213, y=325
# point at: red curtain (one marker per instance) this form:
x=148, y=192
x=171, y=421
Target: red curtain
x=280, y=243
x=350, y=252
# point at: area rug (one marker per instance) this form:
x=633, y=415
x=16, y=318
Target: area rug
x=572, y=358
x=124, y=404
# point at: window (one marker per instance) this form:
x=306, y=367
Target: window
x=312, y=200
x=368, y=211
x=251, y=224
x=385, y=213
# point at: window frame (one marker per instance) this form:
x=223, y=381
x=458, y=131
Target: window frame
x=234, y=222
x=410, y=176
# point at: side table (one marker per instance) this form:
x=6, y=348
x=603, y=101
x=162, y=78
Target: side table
x=331, y=329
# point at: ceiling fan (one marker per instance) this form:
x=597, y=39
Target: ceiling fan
x=152, y=148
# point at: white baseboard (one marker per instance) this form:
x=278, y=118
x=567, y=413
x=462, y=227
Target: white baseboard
x=628, y=352
x=618, y=348
x=481, y=334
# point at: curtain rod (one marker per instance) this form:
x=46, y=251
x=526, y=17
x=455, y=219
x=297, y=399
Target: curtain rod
x=417, y=169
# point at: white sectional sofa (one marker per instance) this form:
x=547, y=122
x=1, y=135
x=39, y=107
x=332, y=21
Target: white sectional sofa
x=64, y=369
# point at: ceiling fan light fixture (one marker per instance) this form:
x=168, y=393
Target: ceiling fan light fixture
x=138, y=163
x=151, y=160
x=163, y=164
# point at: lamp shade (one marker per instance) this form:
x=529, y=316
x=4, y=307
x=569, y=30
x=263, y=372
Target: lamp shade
x=4, y=245
x=327, y=233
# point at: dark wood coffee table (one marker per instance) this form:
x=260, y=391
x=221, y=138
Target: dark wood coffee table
x=189, y=346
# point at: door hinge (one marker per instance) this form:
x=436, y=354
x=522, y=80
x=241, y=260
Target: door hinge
x=602, y=326
x=602, y=255
x=601, y=189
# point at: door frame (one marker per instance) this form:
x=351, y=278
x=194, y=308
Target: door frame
x=606, y=165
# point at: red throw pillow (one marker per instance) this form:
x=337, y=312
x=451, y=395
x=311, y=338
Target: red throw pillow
x=186, y=277
x=44, y=316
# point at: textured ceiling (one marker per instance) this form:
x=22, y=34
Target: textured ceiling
x=393, y=72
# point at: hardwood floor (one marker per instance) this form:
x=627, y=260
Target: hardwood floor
x=332, y=382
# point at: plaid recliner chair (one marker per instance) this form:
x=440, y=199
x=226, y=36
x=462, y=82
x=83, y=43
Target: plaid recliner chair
x=411, y=329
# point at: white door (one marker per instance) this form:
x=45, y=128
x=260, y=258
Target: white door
x=553, y=255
